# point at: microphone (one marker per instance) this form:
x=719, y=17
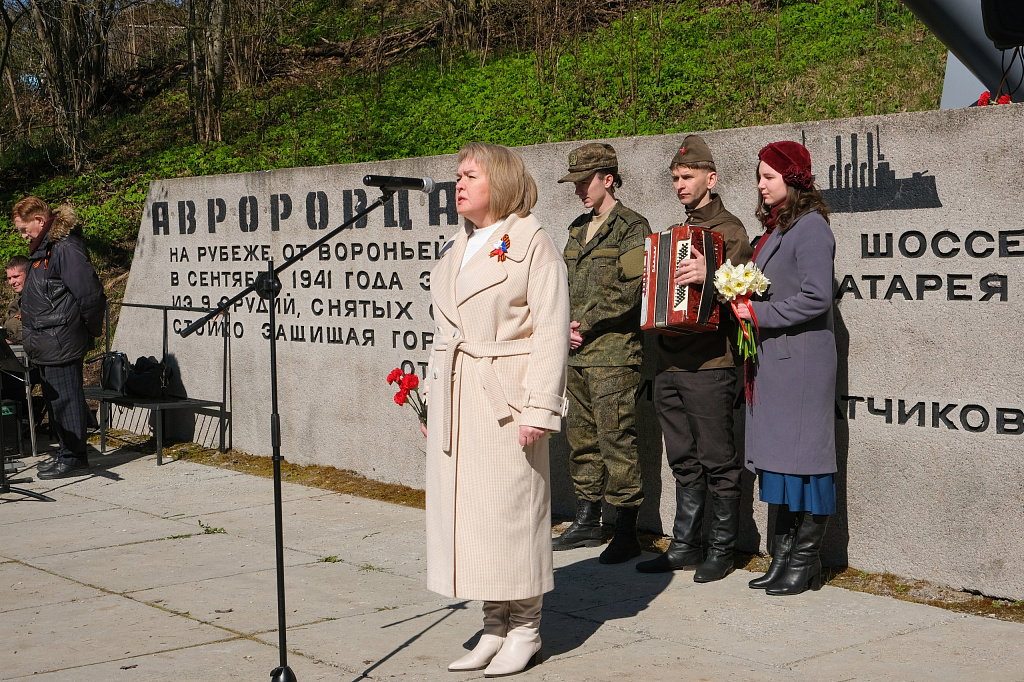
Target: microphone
x=392, y=182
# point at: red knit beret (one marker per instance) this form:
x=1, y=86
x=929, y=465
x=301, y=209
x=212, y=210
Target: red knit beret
x=791, y=160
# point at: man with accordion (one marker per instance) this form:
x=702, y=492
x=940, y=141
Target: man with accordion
x=696, y=388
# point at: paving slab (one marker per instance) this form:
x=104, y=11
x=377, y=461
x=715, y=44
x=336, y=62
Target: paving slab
x=654, y=660
x=167, y=562
x=23, y=587
x=729, y=618
x=247, y=602
x=58, y=636
x=239, y=660
x=424, y=639
x=420, y=638
x=104, y=578
x=182, y=489
x=966, y=648
x=29, y=540
x=581, y=583
x=17, y=509
x=356, y=530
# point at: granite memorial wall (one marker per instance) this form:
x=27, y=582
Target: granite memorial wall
x=929, y=300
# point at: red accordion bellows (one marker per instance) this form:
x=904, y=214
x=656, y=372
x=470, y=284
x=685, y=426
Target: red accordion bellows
x=670, y=309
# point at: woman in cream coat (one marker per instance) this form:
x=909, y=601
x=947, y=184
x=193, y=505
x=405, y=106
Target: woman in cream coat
x=495, y=386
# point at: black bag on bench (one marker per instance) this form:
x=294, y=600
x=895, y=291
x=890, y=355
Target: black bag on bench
x=114, y=370
x=148, y=378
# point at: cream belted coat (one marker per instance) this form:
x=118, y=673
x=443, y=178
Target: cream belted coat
x=498, y=361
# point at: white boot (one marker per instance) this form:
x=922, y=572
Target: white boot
x=522, y=644
x=495, y=627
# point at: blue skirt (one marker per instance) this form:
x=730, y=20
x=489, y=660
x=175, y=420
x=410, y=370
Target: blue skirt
x=814, y=493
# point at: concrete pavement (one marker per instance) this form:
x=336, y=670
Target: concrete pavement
x=143, y=573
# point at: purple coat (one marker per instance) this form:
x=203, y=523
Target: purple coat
x=791, y=425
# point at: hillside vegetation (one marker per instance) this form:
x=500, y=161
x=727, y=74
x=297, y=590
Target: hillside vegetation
x=632, y=69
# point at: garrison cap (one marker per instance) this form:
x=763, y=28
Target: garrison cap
x=589, y=158
x=693, y=150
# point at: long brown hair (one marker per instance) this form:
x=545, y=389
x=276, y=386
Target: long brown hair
x=799, y=201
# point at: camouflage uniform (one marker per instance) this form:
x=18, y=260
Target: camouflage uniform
x=604, y=292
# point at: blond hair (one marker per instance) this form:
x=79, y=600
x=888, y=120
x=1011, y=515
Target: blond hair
x=29, y=207
x=512, y=187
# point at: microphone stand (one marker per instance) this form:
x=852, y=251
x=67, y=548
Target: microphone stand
x=267, y=286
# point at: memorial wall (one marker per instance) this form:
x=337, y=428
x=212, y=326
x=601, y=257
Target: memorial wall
x=929, y=300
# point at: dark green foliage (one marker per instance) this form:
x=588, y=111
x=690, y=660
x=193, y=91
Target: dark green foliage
x=699, y=67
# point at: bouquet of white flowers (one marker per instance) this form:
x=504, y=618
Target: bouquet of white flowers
x=735, y=285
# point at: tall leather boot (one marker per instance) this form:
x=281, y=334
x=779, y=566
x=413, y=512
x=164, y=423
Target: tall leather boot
x=585, y=531
x=522, y=643
x=625, y=544
x=684, y=551
x=724, y=530
x=782, y=543
x=495, y=628
x=803, y=570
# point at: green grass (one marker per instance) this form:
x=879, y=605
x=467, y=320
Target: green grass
x=210, y=530
x=704, y=68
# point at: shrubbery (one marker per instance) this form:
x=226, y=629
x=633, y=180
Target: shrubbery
x=659, y=69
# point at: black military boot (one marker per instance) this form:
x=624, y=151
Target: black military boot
x=585, y=531
x=625, y=544
x=782, y=543
x=803, y=570
x=724, y=529
x=684, y=551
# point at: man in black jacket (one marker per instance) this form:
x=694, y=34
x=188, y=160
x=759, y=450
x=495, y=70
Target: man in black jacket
x=62, y=306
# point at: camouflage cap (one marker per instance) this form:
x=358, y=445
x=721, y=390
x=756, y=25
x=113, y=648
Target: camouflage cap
x=693, y=150
x=589, y=158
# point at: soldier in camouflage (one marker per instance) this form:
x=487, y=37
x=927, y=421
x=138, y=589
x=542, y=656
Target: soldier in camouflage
x=605, y=259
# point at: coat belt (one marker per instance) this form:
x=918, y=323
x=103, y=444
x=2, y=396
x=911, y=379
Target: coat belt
x=485, y=351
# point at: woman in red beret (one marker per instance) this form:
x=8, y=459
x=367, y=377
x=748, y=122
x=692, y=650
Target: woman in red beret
x=790, y=427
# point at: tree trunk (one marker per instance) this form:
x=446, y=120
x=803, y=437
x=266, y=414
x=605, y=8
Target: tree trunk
x=205, y=38
x=218, y=24
x=72, y=45
x=14, y=97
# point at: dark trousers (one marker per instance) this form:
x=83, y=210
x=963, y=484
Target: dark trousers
x=62, y=389
x=695, y=413
x=601, y=430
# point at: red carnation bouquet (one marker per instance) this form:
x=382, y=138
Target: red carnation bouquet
x=986, y=99
x=409, y=392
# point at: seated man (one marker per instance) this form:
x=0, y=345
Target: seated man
x=13, y=386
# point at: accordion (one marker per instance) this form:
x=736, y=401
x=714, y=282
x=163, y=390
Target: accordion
x=670, y=309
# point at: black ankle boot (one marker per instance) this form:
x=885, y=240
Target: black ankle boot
x=782, y=543
x=803, y=570
x=724, y=529
x=684, y=551
x=624, y=545
x=585, y=531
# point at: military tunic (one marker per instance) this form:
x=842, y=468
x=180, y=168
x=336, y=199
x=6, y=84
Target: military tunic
x=695, y=389
x=604, y=294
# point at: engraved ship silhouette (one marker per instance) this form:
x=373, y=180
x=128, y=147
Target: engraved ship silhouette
x=854, y=188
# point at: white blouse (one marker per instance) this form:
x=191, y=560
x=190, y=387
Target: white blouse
x=480, y=238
